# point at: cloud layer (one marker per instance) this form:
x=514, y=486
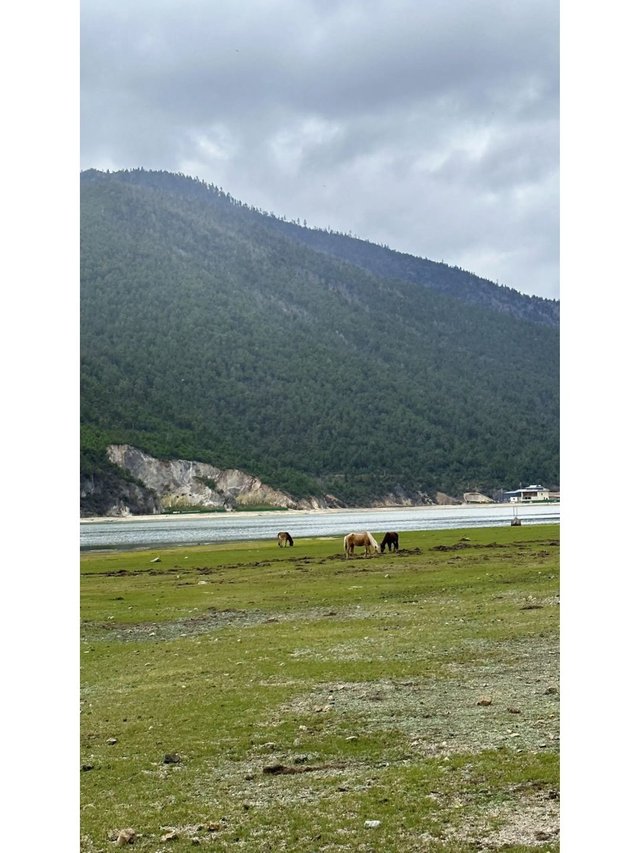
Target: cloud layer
x=429, y=126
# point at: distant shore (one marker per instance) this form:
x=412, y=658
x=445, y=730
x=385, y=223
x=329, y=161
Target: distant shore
x=276, y=513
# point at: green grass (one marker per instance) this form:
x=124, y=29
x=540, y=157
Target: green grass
x=361, y=678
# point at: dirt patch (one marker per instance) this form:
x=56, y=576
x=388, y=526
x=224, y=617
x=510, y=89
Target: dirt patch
x=531, y=820
x=189, y=627
x=465, y=544
x=440, y=715
x=215, y=620
x=287, y=769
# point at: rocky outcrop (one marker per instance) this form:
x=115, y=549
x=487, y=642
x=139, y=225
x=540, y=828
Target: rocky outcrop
x=401, y=497
x=476, y=498
x=111, y=495
x=149, y=486
x=443, y=499
x=181, y=483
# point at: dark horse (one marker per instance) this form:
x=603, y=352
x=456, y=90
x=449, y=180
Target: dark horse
x=390, y=539
x=284, y=539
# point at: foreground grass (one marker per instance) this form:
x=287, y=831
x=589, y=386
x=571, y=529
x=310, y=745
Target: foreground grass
x=250, y=697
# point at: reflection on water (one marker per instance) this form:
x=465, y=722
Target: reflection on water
x=228, y=527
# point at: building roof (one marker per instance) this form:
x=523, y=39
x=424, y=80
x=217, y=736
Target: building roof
x=527, y=489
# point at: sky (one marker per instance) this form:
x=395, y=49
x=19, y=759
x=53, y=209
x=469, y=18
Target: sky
x=429, y=126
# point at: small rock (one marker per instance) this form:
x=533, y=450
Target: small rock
x=514, y=710
x=171, y=758
x=125, y=836
x=112, y=740
x=486, y=700
x=155, y=560
x=87, y=767
x=372, y=824
x=170, y=836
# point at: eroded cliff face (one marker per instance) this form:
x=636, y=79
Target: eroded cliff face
x=113, y=496
x=175, y=484
x=181, y=483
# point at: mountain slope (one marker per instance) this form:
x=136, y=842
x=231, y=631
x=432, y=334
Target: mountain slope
x=451, y=281
x=209, y=332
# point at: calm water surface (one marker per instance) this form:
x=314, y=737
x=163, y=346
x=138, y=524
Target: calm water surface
x=150, y=532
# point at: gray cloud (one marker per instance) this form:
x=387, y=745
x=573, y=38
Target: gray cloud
x=429, y=126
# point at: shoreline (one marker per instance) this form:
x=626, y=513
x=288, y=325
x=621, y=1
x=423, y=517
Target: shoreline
x=288, y=513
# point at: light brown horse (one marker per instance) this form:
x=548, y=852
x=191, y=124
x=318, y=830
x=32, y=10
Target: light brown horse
x=284, y=539
x=362, y=539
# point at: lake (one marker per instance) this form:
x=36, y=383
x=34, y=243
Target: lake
x=157, y=531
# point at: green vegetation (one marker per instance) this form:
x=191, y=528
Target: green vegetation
x=188, y=510
x=246, y=697
x=217, y=333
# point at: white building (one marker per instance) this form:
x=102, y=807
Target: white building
x=531, y=493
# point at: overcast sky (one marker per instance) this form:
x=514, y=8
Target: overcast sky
x=427, y=125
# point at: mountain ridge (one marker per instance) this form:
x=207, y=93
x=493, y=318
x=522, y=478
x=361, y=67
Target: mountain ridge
x=209, y=332
x=374, y=257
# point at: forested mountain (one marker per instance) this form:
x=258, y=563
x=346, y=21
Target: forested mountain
x=452, y=281
x=320, y=363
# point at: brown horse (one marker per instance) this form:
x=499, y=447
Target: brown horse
x=284, y=539
x=390, y=539
x=363, y=539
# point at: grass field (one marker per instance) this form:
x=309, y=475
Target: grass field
x=245, y=696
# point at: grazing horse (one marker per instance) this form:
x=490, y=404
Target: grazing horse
x=390, y=539
x=364, y=538
x=284, y=539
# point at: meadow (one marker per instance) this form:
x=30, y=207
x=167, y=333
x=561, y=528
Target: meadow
x=245, y=696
